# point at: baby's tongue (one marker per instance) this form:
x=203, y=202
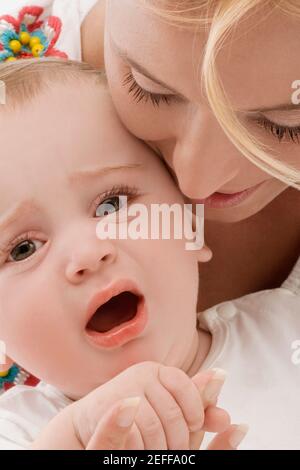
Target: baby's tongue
x=119, y=309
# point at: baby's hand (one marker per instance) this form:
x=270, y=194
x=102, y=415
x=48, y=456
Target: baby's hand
x=173, y=412
x=113, y=430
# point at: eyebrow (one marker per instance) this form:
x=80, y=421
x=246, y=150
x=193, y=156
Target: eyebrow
x=141, y=69
x=280, y=107
x=28, y=207
x=97, y=172
x=18, y=211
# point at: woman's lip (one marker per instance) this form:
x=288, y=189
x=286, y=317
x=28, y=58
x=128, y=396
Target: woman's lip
x=124, y=332
x=222, y=200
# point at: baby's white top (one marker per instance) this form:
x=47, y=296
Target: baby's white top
x=255, y=338
x=70, y=12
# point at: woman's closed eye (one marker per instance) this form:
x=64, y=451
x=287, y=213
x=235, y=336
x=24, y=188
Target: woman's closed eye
x=141, y=95
x=280, y=132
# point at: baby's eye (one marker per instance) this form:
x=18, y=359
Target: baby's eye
x=110, y=205
x=24, y=249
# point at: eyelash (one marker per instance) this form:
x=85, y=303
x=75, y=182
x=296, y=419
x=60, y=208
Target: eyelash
x=280, y=132
x=141, y=95
x=116, y=191
x=22, y=238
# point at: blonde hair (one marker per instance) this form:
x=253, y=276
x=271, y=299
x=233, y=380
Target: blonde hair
x=25, y=79
x=220, y=17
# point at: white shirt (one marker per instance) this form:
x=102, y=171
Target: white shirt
x=70, y=12
x=252, y=338
x=25, y=411
x=256, y=339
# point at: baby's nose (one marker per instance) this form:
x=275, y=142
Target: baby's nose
x=87, y=259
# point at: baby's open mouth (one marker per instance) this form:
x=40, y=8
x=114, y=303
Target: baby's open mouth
x=116, y=315
x=119, y=309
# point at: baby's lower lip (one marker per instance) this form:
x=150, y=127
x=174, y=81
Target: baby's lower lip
x=222, y=200
x=123, y=333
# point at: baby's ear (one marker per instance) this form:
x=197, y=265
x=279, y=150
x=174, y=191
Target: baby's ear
x=204, y=255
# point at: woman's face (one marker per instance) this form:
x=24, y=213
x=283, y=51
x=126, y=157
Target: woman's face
x=154, y=74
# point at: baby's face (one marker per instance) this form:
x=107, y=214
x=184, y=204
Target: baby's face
x=66, y=158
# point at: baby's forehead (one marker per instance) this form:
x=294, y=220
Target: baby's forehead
x=72, y=126
x=65, y=104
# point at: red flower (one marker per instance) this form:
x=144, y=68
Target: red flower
x=13, y=32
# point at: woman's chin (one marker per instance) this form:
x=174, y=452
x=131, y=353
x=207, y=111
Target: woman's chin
x=262, y=197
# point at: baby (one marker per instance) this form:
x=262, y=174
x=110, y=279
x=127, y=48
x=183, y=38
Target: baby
x=97, y=321
x=101, y=321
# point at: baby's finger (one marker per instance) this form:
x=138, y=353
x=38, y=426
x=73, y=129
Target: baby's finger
x=185, y=393
x=230, y=439
x=150, y=427
x=170, y=415
x=113, y=429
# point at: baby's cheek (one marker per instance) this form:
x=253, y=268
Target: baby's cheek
x=22, y=322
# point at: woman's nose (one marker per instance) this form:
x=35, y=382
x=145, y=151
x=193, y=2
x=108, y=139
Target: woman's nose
x=204, y=159
x=88, y=258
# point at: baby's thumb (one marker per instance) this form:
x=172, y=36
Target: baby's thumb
x=114, y=427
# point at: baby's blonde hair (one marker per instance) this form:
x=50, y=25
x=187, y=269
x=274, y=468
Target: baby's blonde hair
x=220, y=17
x=25, y=79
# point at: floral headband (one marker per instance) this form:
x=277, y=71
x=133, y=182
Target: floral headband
x=16, y=376
x=27, y=36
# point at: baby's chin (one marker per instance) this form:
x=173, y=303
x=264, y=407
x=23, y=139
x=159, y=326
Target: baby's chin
x=83, y=385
